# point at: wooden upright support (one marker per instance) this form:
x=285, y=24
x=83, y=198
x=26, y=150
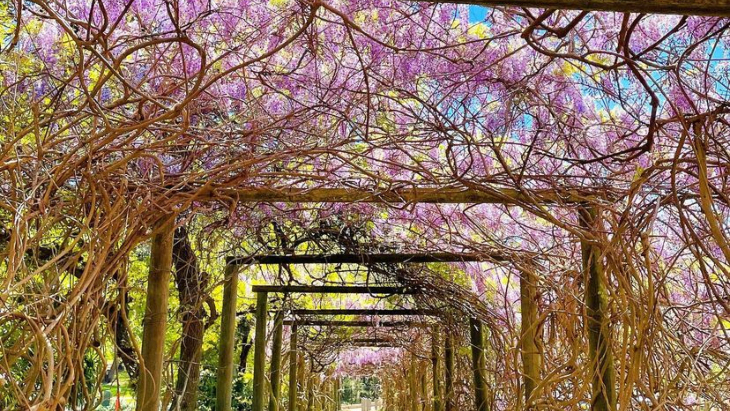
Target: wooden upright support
x=529, y=347
x=435, y=369
x=275, y=395
x=478, y=364
x=155, y=318
x=293, y=364
x=310, y=385
x=224, y=383
x=413, y=384
x=449, y=393
x=597, y=321
x=337, y=394
x=259, y=355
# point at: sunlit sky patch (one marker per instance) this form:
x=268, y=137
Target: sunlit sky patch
x=477, y=13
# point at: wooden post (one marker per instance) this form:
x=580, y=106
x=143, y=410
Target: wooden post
x=413, y=384
x=302, y=378
x=310, y=386
x=424, y=404
x=276, y=362
x=449, y=374
x=338, y=398
x=599, y=332
x=224, y=383
x=293, y=364
x=478, y=364
x=155, y=318
x=435, y=368
x=388, y=399
x=529, y=348
x=259, y=354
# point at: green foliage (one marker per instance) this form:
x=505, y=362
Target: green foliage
x=355, y=389
x=242, y=391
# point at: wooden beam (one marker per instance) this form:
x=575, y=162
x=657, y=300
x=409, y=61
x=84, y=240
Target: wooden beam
x=433, y=195
x=366, y=311
x=327, y=323
x=689, y=7
x=227, y=345
x=373, y=345
x=367, y=259
x=332, y=289
x=370, y=342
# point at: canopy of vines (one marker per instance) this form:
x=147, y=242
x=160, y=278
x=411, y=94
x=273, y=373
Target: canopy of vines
x=592, y=130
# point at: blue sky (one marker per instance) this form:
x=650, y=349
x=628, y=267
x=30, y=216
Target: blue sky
x=477, y=13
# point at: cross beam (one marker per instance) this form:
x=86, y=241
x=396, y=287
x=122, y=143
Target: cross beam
x=364, y=259
x=371, y=342
x=328, y=323
x=690, y=7
x=358, y=311
x=433, y=195
x=332, y=289
x=374, y=345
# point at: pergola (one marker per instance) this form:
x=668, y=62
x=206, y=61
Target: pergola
x=355, y=342
x=528, y=282
x=597, y=324
x=134, y=122
x=260, y=338
x=603, y=383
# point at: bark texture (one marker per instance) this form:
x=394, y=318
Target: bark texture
x=191, y=285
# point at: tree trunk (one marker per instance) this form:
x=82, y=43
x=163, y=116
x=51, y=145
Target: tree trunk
x=244, y=334
x=125, y=349
x=191, y=284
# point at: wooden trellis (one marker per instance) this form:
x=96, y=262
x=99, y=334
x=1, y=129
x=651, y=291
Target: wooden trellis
x=601, y=361
x=262, y=292
x=260, y=337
